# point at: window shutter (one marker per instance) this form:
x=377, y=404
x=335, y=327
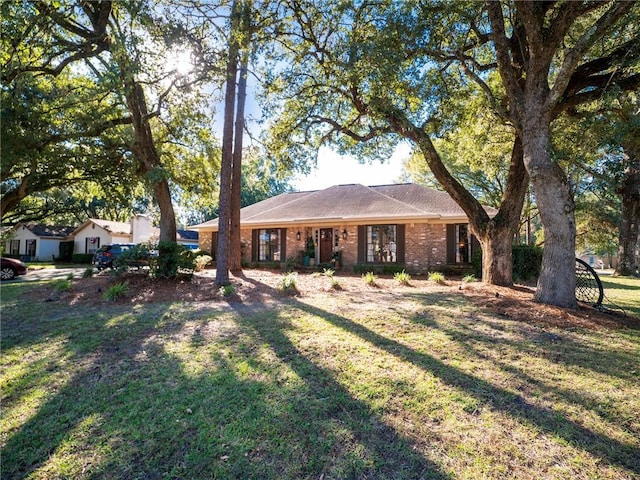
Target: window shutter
x=254, y=245
x=400, y=243
x=451, y=244
x=362, y=243
x=283, y=244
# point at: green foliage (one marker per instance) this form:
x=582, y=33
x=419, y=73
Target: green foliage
x=135, y=256
x=201, y=261
x=116, y=291
x=61, y=285
x=173, y=259
x=527, y=261
x=476, y=262
x=335, y=284
x=291, y=263
x=403, y=278
x=227, y=290
x=88, y=272
x=370, y=278
x=70, y=276
x=437, y=277
x=469, y=279
x=287, y=283
x=82, y=257
x=328, y=272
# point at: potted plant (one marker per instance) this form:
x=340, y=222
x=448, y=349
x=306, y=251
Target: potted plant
x=311, y=252
x=336, y=260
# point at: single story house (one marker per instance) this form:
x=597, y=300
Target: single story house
x=94, y=233
x=36, y=242
x=405, y=224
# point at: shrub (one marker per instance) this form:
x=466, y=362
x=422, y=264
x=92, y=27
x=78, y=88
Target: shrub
x=291, y=263
x=527, y=261
x=82, y=257
x=88, y=272
x=437, y=277
x=135, y=256
x=202, y=261
x=173, y=259
x=370, y=278
x=116, y=291
x=328, y=272
x=469, y=279
x=70, y=276
x=403, y=278
x=227, y=290
x=287, y=283
x=335, y=284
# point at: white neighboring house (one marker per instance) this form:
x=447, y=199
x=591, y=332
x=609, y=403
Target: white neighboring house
x=36, y=242
x=94, y=233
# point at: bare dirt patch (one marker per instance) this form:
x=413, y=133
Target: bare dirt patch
x=262, y=286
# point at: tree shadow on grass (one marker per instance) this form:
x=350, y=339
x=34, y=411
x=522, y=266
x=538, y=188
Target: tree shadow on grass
x=608, y=449
x=134, y=409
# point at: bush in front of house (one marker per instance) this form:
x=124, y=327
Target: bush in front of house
x=82, y=257
x=173, y=259
x=527, y=261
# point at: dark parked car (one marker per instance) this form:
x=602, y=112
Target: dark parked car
x=10, y=268
x=107, y=254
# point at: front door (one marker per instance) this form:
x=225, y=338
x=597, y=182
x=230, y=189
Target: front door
x=326, y=245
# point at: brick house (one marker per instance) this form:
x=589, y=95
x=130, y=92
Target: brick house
x=407, y=225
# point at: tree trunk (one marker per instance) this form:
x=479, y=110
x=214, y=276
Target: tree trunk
x=496, y=235
x=226, y=168
x=557, y=280
x=145, y=150
x=629, y=234
x=235, y=253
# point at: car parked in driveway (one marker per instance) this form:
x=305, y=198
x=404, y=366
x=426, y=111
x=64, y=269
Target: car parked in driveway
x=10, y=268
x=106, y=255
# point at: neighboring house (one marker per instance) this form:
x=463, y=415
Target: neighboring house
x=36, y=242
x=94, y=233
x=599, y=261
x=406, y=224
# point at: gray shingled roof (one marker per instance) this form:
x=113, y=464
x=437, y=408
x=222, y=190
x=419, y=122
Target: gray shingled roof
x=348, y=203
x=59, y=231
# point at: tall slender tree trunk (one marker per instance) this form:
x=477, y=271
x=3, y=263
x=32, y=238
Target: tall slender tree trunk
x=144, y=148
x=629, y=234
x=557, y=280
x=235, y=252
x=226, y=169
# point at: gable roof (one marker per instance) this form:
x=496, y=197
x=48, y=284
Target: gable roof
x=349, y=203
x=48, y=231
x=116, y=228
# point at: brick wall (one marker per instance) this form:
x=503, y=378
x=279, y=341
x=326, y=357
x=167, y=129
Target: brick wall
x=425, y=245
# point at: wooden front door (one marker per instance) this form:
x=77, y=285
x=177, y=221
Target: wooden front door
x=326, y=245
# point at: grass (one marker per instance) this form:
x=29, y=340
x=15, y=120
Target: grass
x=621, y=292
x=420, y=385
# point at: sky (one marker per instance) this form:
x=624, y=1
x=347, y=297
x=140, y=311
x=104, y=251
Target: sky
x=333, y=169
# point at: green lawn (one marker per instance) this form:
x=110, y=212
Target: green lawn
x=622, y=293
x=419, y=384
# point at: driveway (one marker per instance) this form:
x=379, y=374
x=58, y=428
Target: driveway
x=48, y=274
